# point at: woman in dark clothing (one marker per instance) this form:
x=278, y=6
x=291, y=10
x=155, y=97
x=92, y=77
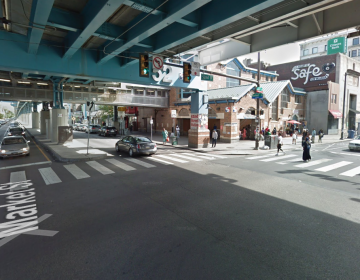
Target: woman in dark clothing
x=306, y=146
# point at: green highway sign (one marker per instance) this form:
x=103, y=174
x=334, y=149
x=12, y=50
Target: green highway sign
x=337, y=45
x=205, y=77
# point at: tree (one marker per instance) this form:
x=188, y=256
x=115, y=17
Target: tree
x=106, y=110
x=1, y=116
x=8, y=114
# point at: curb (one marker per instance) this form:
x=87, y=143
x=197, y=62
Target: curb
x=59, y=158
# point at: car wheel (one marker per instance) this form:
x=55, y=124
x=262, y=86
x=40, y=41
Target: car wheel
x=28, y=154
x=117, y=148
x=131, y=153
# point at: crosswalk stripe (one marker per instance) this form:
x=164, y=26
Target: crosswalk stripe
x=351, y=172
x=76, y=171
x=290, y=160
x=101, y=168
x=171, y=158
x=121, y=165
x=186, y=157
x=311, y=163
x=18, y=176
x=278, y=158
x=159, y=160
x=258, y=157
x=49, y=176
x=217, y=156
x=139, y=162
x=201, y=155
x=333, y=166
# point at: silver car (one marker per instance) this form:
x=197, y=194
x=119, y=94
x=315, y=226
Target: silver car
x=94, y=128
x=12, y=146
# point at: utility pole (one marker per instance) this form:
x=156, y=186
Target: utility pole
x=343, y=117
x=257, y=138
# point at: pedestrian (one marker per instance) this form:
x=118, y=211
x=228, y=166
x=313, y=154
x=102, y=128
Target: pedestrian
x=321, y=134
x=306, y=149
x=177, y=131
x=274, y=131
x=294, y=137
x=214, y=138
x=164, y=135
x=263, y=131
x=280, y=143
x=244, y=134
x=313, y=135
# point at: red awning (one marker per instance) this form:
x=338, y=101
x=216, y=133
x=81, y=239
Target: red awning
x=336, y=114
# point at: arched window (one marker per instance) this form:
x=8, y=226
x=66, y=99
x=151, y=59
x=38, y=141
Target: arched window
x=249, y=111
x=184, y=112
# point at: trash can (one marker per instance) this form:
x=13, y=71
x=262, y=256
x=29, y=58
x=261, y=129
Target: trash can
x=271, y=141
x=351, y=133
x=173, y=139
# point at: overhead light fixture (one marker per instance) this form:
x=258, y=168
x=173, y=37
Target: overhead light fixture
x=20, y=82
x=4, y=80
x=43, y=84
x=76, y=86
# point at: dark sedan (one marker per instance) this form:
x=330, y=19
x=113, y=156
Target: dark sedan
x=108, y=130
x=15, y=131
x=136, y=146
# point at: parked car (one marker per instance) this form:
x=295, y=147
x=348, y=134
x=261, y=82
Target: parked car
x=94, y=128
x=108, y=130
x=82, y=127
x=76, y=126
x=15, y=131
x=14, y=146
x=136, y=146
x=355, y=144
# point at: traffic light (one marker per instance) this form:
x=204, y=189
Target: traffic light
x=144, y=65
x=186, y=72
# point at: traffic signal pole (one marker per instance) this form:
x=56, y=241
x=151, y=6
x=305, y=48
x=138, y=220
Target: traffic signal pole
x=257, y=138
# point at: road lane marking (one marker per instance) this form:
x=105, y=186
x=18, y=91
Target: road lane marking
x=348, y=154
x=18, y=176
x=76, y=171
x=201, y=155
x=333, y=166
x=258, y=157
x=171, y=158
x=49, y=176
x=121, y=165
x=278, y=158
x=139, y=162
x=185, y=157
x=313, y=163
x=159, y=160
x=101, y=168
x=41, y=150
x=351, y=172
x=23, y=165
x=290, y=160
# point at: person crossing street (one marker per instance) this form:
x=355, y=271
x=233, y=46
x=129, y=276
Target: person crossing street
x=280, y=143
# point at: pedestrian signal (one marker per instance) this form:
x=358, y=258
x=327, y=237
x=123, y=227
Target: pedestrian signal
x=144, y=65
x=186, y=72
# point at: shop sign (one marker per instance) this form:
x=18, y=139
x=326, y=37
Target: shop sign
x=311, y=72
x=173, y=114
x=227, y=109
x=337, y=45
x=121, y=109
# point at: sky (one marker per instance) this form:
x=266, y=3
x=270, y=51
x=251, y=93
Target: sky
x=277, y=55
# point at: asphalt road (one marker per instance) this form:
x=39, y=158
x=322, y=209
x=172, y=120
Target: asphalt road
x=189, y=217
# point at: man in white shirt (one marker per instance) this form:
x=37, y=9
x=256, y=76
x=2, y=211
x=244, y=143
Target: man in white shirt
x=214, y=138
x=280, y=142
x=177, y=131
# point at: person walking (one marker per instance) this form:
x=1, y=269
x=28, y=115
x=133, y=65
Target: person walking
x=294, y=137
x=177, y=131
x=321, y=134
x=244, y=134
x=313, y=135
x=214, y=138
x=274, y=131
x=306, y=149
x=280, y=143
x=164, y=135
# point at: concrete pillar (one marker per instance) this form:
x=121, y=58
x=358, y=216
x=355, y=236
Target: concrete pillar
x=58, y=117
x=35, y=119
x=199, y=134
x=44, y=115
x=230, y=131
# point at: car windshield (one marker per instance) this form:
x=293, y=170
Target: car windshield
x=142, y=139
x=11, y=141
x=16, y=129
x=111, y=127
x=357, y=137
x=97, y=126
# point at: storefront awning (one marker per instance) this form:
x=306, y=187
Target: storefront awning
x=355, y=111
x=336, y=114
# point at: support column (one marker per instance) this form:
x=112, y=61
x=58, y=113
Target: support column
x=58, y=94
x=116, y=119
x=35, y=116
x=199, y=134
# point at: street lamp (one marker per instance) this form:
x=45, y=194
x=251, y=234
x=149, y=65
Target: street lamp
x=351, y=73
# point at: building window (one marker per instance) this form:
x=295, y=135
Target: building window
x=285, y=98
x=298, y=99
x=325, y=48
x=267, y=78
x=274, y=109
x=356, y=41
x=253, y=76
x=358, y=52
x=333, y=98
x=272, y=79
x=354, y=53
x=315, y=50
x=306, y=52
x=232, y=69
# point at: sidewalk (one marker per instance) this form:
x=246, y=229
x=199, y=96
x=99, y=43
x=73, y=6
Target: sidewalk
x=77, y=150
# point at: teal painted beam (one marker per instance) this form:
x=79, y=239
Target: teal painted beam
x=153, y=24
x=24, y=75
x=65, y=20
x=95, y=13
x=47, y=77
x=217, y=15
x=87, y=82
x=40, y=11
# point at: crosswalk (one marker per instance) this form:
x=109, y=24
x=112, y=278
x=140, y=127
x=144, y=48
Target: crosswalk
x=321, y=165
x=84, y=170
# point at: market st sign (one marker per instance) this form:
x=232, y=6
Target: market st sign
x=310, y=72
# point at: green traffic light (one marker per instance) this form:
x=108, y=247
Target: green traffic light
x=146, y=71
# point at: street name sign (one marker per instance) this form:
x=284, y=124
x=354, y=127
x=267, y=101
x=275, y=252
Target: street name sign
x=257, y=96
x=259, y=90
x=205, y=77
